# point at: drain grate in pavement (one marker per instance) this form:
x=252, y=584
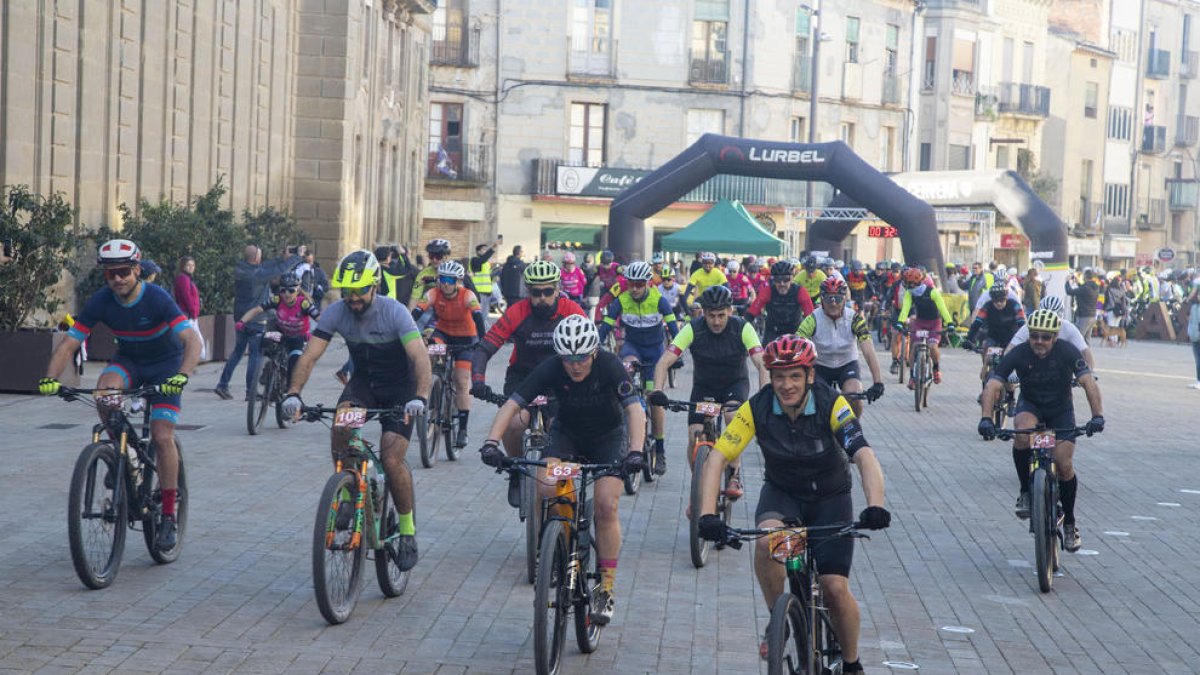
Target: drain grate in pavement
x=58, y=425
x=189, y=427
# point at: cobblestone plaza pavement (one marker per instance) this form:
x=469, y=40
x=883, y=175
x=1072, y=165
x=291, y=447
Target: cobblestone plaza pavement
x=949, y=587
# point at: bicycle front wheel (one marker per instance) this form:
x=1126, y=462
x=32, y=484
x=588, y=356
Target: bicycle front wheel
x=450, y=421
x=587, y=632
x=392, y=582
x=259, y=399
x=698, y=545
x=96, y=516
x=338, y=549
x=918, y=380
x=551, y=600
x=531, y=507
x=430, y=425
x=787, y=638
x=153, y=516
x=275, y=394
x=1043, y=521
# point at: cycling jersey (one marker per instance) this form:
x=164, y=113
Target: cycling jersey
x=857, y=281
x=375, y=338
x=801, y=457
x=740, y=285
x=810, y=282
x=531, y=335
x=1045, y=381
x=607, y=274
x=784, y=310
x=836, y=339
x=574, y=282
x=670, y=294
x=1001, y=323
x=587, y=409
x=293, y=319
x=702, y=279
x=426, y=280
x=459, y=316
x=643, y=320
x=720, y=357
x=928, y=303
x=147, y=329
x=607, y=296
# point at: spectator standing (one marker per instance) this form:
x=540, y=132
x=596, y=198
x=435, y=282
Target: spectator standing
x=1085, y=295
x=511, y=276
x=187, y=296
x=977, y=284
x=481, y=274
x=251, y=283
x=150, y=271
x=320, y=280
x=1116, y=305
x=1193, y=328
x=1033, y=291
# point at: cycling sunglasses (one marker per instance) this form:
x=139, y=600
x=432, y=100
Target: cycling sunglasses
x=291, y=289
x=833, y=299
x=117, y=272
x=541, y=292
x=575, y=358
x=1039, y=336
x=638, y=284
x=447, y=280
x=356, y=292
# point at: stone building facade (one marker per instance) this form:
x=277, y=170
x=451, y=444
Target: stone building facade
x=313, y=106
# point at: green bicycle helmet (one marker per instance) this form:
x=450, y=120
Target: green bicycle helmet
x=540, y=272
x=359, y=269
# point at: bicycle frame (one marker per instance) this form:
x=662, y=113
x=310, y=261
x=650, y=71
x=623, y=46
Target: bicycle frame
x=121, y=429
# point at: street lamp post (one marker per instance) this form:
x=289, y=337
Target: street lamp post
x=815, y=28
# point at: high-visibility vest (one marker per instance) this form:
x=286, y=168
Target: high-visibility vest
x=483, y=278
x=390, y=280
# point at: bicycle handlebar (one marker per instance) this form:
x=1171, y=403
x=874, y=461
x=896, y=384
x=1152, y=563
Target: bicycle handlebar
x=688, y=406
x=315, y=413
x=737, y=536
x=519, y=464
x=73, y=393
x=1007, y=434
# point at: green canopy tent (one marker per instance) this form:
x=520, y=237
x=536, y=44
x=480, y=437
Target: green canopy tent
x=726, y=228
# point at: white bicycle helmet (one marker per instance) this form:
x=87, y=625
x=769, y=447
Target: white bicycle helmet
x=658, y=258
x=575, y=335
x=118, y=252
x=1052, y=303
x=732, y=266
x=708, y=257
x=639, y=271
x=451, y=268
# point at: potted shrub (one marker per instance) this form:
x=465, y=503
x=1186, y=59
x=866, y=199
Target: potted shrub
x=40, y=233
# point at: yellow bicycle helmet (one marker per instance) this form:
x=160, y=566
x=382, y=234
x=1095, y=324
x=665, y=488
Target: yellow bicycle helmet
x=359, y=269
x=541, y=272
x=1045, y=320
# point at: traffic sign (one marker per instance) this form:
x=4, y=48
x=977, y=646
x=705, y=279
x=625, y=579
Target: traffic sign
x=1166, y=254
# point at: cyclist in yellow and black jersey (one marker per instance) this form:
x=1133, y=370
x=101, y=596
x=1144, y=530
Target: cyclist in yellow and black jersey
x=809, y=436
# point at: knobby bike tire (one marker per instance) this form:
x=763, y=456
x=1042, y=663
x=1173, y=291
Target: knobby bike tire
x=788, y=638
x=392, y=582
x=632, y=481
x=449, y=419
x=918, y=381
x=928, y=380
x=276, y=397
x=1042, y=519
x=432, y=433
x=699, y=547
x=903, y=360
x=587, y=632
x=531, y=506
x=256, y=407
x=153, y=516
x=651, y=457
x=336, y=589
x=97, y=541
x=551, y=600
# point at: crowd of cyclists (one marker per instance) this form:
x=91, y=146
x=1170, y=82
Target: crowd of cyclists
x=802, y=325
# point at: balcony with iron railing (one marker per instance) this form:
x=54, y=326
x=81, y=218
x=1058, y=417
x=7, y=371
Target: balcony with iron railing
x=457, y=163
x=708, y=67
x=1189, y=65
x=1187, y=130
x=455, y=45
x=962, y=82
x=802, y=73
x=594, y=58
x=1154, y=139
x=1158, y=64
x=1152, y=213
x=1016, y=98
x=891, y=89
x=1183, y=194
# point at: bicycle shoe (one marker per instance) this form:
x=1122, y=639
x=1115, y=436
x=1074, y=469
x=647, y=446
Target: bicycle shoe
x=602, y=607
x=165, y=539
x=460, y=441
x=345, y=516
x=1071, y=538
x=660, y=463
x=733, y=489
x=406, y=552
x=895, y=368
x=514, y=490
x=1022, y=507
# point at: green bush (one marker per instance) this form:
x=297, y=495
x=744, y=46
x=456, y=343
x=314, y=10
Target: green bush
x=273, y=231
x=44, y=244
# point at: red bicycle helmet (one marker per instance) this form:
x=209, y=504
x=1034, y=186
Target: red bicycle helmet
x=913, y=276
x=790, y=351
x=833, y=286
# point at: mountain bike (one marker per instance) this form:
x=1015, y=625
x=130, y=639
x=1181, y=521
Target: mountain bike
x=700, y=448
x=355, y=519
x=115, y=485
x=800, y=635
x=270, y=384
x=633, y=482
x=568, y=574
x=922, y=366
x=905, y=347
x=534, y=442
x=440, y=422
x=1006, y=405
x=1045, y=513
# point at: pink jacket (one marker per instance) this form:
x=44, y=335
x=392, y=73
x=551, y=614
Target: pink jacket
x=187, y=296
x=574, y=282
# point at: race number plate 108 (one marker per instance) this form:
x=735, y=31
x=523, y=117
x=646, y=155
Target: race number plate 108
x=350, y=418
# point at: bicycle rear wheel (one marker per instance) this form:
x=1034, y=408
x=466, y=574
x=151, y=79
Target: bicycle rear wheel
x=392, y=582
x=96, y=516
x=1042, y=519
x=260, y=395
x=903, y=360
x=531, y=507
x=431, y=425
x=787, y=638
x=337, y=553
x=651, y=458
x=699, y=546
x=153, y=517
x=587, y=632
x=450, y=420
x=551, y=600
x=632, y=482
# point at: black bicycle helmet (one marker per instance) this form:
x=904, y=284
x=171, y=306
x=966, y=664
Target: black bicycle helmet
x=438, y=247
x=998, y=291
x=716, y=297
x=783, y=268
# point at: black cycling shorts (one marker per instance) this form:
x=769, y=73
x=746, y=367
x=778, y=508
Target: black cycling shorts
x=836, y=376
x=606, y=449
x=360, y=393
x=832, y=555
x=1053, y=418
x=737, y=391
